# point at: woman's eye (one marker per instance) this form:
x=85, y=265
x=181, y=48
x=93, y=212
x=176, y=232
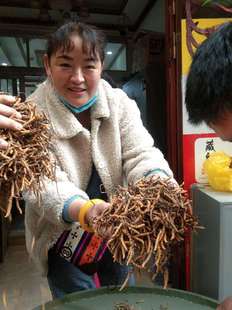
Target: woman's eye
x=66, y=65
x=90, y=67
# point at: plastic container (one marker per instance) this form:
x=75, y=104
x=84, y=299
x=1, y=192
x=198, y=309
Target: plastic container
x=141, y=298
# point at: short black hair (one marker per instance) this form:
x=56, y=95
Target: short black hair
x=93, y=39
x=209, y=82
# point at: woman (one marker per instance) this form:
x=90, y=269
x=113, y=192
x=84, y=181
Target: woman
x=99, y=139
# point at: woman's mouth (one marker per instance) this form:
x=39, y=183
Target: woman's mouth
x=77, y=91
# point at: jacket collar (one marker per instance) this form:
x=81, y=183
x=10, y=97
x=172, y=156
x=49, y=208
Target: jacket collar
x=101, y=108
x=64, y=122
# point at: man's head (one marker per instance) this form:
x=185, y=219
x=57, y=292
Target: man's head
x=209, y=83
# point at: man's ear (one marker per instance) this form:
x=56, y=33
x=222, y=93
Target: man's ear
x=46, y=65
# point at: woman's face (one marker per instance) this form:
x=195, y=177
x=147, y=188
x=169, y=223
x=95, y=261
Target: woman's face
x=223, y=126
x=74, y=74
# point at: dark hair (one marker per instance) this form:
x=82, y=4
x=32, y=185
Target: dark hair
x=93, y=39
x=209, y=82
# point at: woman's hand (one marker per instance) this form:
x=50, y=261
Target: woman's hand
x=226, y=304
x=95, y=211
x=6, y=115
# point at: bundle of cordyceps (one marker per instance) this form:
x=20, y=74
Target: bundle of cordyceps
x=27, y=158
x=146, y=220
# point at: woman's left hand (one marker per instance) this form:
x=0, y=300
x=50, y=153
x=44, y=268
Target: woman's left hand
x=95, y=211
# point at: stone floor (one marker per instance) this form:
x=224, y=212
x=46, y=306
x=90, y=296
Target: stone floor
x=21, y=286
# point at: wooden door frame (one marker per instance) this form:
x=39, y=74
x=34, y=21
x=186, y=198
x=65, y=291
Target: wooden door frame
x=174, y=13
x=174, y=99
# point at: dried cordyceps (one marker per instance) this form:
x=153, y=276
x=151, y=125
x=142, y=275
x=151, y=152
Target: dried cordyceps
x=123, y=306
x=27, y=157
x=146, y=220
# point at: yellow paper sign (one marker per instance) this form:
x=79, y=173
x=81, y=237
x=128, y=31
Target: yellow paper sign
x=202, y=23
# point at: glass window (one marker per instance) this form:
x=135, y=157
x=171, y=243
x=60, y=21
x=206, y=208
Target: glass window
x=10, y=86
x=13, y=52
x=37, y=49
x=115, y=57
x=6, y=86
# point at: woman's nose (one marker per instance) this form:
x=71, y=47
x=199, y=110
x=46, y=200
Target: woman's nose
x=77, y=75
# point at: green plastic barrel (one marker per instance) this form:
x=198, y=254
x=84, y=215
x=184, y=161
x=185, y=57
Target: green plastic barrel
x=139, y=298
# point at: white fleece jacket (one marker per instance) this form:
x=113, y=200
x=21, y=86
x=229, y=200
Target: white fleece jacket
x=118, y=144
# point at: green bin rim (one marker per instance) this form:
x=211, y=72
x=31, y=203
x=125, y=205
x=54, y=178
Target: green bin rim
x=186, y=295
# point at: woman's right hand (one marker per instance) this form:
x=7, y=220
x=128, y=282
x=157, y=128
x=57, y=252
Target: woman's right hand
x=6, y=113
